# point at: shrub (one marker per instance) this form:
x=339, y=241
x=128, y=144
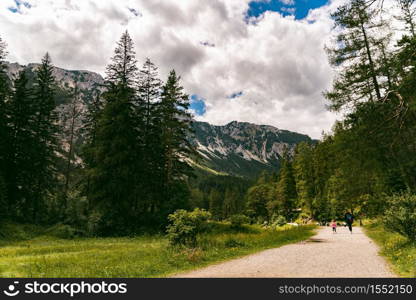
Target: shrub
x=400, y=215
x=278, y=220
x=184, y=226
x=237, y=221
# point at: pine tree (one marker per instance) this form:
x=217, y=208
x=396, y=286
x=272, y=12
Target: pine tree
x=304, y=175
x=20, y=172
x=173, y=119
x=285, y=194
x=148, y=98
x=46, y=134
x=113, y=175
x=123, y=69
x=149, y=91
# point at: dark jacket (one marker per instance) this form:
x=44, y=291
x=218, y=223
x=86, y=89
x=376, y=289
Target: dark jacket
x=349, y=218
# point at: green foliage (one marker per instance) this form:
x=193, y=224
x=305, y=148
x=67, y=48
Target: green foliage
x=400, y=215
x=223, y=196
x=279, y=221
x=285, y=199
x=258, y=198
x=357, y=49
x=184, y=226
x=237, y=221
x=303, y=172
x=273, y=196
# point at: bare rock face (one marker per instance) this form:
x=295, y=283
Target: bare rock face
x=244, y=149
x=85, y=80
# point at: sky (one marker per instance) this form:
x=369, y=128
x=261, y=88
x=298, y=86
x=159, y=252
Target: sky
x=259, y=61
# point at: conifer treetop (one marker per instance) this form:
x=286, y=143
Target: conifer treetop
x=123, y=69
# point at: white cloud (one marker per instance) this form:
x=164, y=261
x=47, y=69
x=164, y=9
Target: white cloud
x=288, y=2
x=279, y=63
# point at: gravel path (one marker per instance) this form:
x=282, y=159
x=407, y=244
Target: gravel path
x=324, y=255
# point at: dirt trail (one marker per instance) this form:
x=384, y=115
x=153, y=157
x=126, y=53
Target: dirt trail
x=324, y=255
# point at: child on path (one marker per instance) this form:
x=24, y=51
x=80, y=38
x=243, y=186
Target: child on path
x=334, y=226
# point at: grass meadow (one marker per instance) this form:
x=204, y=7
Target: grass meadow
x=399, y=251
x=29, y=251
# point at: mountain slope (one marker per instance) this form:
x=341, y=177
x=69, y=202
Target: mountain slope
x=243, y=149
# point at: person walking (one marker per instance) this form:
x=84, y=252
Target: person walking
x=334, y=226
x=349, y=219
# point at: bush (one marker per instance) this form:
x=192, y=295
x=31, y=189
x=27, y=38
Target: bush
x=237, y=221
x=400, y=215
x=278, y=220
x=184, y=226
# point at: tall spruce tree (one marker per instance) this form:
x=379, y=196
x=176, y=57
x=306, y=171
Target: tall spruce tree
x=149, y=91
x=20, y=172
x=46, y=134
x=148, y=98
x=304, y=175
x=174, y=120
x=285, y=193
x=113, y=175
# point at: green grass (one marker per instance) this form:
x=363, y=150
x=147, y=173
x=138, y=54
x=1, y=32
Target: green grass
x=40, y=255
x=399, y=251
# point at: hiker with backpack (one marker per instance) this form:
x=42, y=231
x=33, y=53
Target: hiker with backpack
x=349, y=219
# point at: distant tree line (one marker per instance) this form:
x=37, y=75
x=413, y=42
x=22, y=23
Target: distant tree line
x=222, y=196
x=134, y=129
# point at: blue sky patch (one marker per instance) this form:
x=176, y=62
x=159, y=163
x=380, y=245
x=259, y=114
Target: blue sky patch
x=19, y=3
x=298, y=8
x=198, y=105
